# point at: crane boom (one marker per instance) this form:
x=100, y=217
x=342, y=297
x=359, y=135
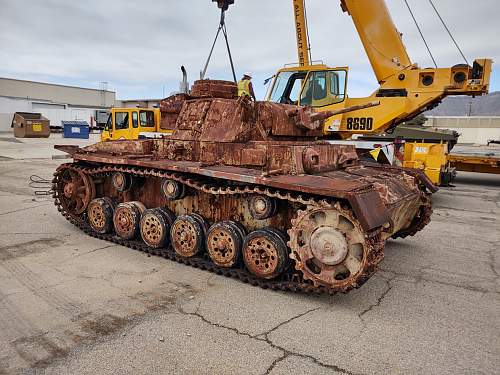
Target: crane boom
x=404, y=91
x=299, y=10
x=382, y=41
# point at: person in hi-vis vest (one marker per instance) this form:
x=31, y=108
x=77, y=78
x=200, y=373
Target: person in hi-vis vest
x=245, y=86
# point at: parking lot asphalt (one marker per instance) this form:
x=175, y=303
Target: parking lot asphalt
x=71, y=304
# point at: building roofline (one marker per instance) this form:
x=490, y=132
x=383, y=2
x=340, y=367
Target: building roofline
x=139, y=100
x=55, y=84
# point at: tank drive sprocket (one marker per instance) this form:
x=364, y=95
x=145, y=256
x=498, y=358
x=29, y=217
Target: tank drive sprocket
x=330, y=248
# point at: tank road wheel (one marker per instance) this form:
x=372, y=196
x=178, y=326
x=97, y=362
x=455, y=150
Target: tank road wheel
x=126, y=219
x=121, y=181
x=173, y=190
x=100, y=215
x=155, y=228
x=262, y=207
x=187, y=236
x=224, y=243
x=265, y=253
x=329, y=247
x=76, y=190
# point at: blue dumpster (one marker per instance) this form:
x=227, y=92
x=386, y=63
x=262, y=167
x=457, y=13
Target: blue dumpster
x=76, y=129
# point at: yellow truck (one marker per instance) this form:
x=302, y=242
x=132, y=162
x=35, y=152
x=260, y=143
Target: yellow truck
x=133, y=123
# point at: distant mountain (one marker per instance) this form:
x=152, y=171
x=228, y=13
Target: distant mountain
x=488, y=105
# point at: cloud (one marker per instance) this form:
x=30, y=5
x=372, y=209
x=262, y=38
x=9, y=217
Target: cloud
x=138, y=47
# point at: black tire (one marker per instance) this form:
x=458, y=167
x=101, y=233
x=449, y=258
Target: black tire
x=265, y=253
x=225, y=233
x=173, y=190
x=262, y=207
x=133, y=215
x=154, y=228
x=105, y=209
x=121, y=181
x=192, y=242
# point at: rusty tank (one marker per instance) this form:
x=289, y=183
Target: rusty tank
x=250, y=190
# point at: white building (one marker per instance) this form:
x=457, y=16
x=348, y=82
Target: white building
x=138, y=103
x=474, y=129
x=56, y=102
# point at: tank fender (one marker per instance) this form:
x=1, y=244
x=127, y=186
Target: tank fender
x=69, y=149
x=423, y=179
x=369, y=209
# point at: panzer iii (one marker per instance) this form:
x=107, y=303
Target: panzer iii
x=250, y=190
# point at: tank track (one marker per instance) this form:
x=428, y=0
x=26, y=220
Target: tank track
x=420, y=221
x=289, y=281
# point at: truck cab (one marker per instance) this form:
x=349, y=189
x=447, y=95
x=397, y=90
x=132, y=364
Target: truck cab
x=133, y=123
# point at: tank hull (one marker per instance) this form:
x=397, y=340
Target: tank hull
x=383, y=201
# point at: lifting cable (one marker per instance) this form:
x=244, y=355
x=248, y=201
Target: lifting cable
x=449, y=32
x=421, y=34
x=222, y=27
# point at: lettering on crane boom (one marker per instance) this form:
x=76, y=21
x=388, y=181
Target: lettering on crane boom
x=359, y=123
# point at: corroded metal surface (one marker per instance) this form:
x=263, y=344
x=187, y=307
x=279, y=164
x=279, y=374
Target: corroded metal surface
x=282, y=205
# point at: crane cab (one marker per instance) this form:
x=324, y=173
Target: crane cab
x=314, y=85
x=317, y=86
x=133, y=123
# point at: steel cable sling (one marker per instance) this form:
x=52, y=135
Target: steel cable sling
x=223, y=5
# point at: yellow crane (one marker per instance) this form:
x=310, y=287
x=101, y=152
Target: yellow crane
x=405, y=89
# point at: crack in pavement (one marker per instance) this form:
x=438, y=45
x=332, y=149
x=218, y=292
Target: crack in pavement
x=264, y=337
x=24, y=209
x=462, y=210
x=491, y=256
x=420, y=278
x=85, y=253
x=379, y=299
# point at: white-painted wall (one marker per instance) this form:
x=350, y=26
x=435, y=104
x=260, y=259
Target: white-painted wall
x=474, y=129
x=54, y=112
x=56, y=102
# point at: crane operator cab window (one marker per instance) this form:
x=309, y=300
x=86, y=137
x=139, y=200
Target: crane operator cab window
x=316, y=88
x=286, y=88
x=324, y=88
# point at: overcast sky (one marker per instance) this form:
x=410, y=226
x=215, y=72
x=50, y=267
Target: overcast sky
x=139, y=46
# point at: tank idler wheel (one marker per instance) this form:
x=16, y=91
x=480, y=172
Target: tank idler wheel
x=187, y=236
x=155, y=228
x=100, y=215
x=262, y=207
x=126, y=219
x=224, y=243
x=77, y=190
x=173, y=190
x=121, y=181
x=265, y=253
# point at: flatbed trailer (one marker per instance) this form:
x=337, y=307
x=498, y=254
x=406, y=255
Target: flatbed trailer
x=487, y=163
